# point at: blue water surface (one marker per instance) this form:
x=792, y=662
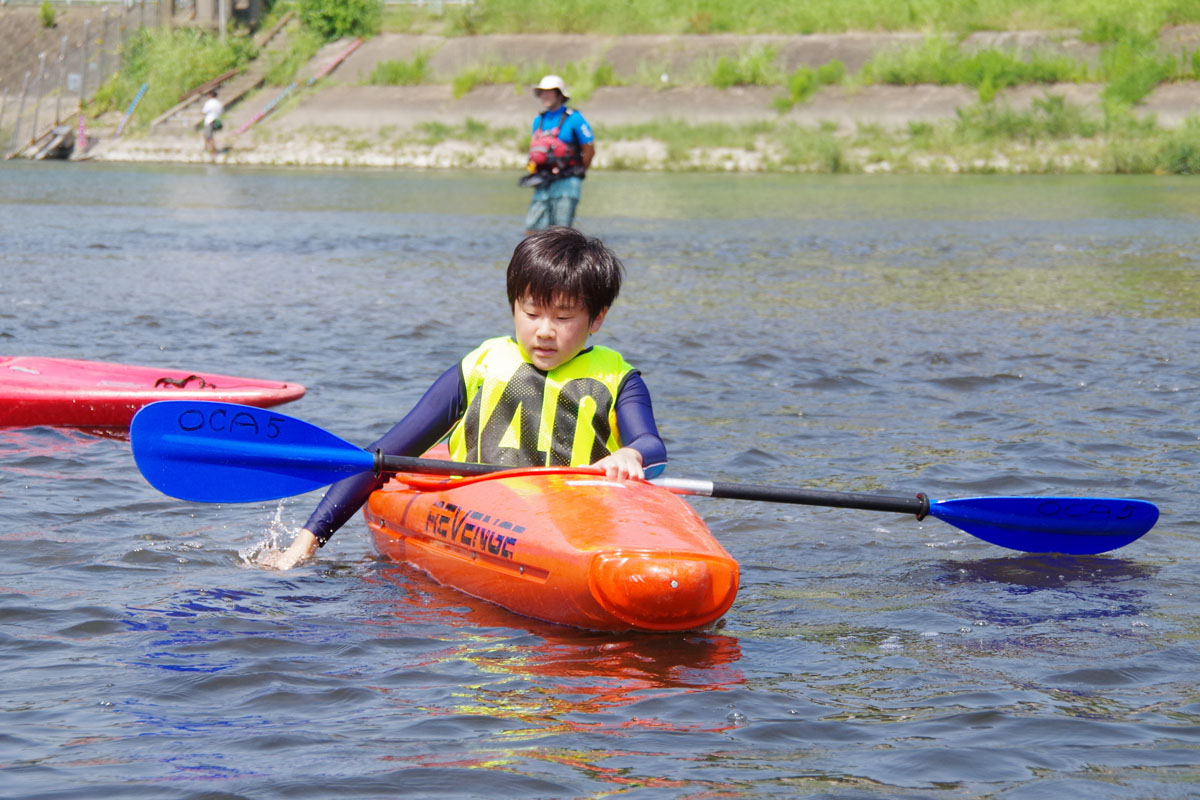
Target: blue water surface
x=958, y=336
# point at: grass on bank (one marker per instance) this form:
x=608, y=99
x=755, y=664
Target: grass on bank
x=402, y=73
x=47, y=16
x=472, y=131
x=753, y=67
x=172, y=61
x=169, y=62
x=617, y=17
x=1132, y=65
x=940, y=61
x=1130, y=62
x=1053, y=136
x=582, y=77
x=804, y=82
x=283, y=65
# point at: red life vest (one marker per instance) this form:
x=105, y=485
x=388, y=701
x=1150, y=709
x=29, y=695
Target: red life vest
x=548, y=153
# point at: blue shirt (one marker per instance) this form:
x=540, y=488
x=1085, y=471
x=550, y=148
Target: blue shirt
x=575, y=130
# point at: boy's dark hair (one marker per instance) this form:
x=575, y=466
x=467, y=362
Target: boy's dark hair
x=558, y=264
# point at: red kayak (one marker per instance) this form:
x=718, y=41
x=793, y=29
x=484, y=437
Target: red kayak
x=97, y=394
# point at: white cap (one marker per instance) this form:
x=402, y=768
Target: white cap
x=552, y=82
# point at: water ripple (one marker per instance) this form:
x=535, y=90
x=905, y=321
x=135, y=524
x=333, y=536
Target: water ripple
x=956, y=336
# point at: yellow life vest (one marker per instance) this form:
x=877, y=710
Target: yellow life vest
x=518, y=415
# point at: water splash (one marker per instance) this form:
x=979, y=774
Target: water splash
x=276, y=539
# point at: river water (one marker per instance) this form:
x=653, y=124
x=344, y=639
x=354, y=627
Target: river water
x=959, y=336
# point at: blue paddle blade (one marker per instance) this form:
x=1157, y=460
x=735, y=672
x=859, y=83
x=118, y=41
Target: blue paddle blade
x=228, y=453
x=1076, y=525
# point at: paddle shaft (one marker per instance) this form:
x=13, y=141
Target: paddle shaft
x=918, y=505
x=212, y=452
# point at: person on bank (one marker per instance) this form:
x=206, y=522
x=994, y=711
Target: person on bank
x=545, y=386
x=561, y=148
x=212, y=111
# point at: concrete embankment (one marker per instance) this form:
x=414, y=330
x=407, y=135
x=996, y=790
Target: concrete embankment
x=344, y=121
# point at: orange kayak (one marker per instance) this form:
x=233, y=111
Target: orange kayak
x=563, y=545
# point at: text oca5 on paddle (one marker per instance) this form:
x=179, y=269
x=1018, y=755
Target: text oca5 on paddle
x=241, y=422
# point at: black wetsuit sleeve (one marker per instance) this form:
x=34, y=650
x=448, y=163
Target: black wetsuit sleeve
x=636, y=427
x=429, y=420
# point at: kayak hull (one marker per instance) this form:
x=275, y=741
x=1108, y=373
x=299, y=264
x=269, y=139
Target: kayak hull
x=96, y=394
x=564, y=546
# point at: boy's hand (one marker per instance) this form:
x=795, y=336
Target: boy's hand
x=624, y=464
x=301, y=549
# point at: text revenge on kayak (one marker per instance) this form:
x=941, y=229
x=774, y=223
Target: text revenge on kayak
x=473, y=530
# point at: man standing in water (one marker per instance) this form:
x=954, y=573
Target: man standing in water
x=560, y=151
x=212, y=110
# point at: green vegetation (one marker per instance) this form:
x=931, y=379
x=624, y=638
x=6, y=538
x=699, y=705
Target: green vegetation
x=805, y=81
x=174, y=61
x=1131, y=64
x=1052, y=137
x=1133, y=67
x=582, y=78
x=472, y=130
x=282, y=65
x=333, y=19
x=755, y=67
x=1117, y=21
x=485, y=75
x=171, y=62
x=1173, y=152
x=939, y=61
x=683, y=139
x=618, y=17
x=1179, y=152
x=402, y=73
x=1051, y=118
x=47, y=15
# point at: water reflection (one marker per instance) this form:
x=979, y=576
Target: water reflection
x=1048, y=570
x=551, y=690
x=1041, y=588
x=573, y=670
x=52, y=442
x=184, y=633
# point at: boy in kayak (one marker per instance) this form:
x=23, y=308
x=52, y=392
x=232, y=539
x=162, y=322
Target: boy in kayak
x=542, y=397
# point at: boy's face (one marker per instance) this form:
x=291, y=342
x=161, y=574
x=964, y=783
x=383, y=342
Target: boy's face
x=552, y=335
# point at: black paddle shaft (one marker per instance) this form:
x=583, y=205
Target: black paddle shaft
x=432, y=466
x=918, y=505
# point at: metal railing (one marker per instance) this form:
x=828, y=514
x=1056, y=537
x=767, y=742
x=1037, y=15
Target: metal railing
x=71, y=76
